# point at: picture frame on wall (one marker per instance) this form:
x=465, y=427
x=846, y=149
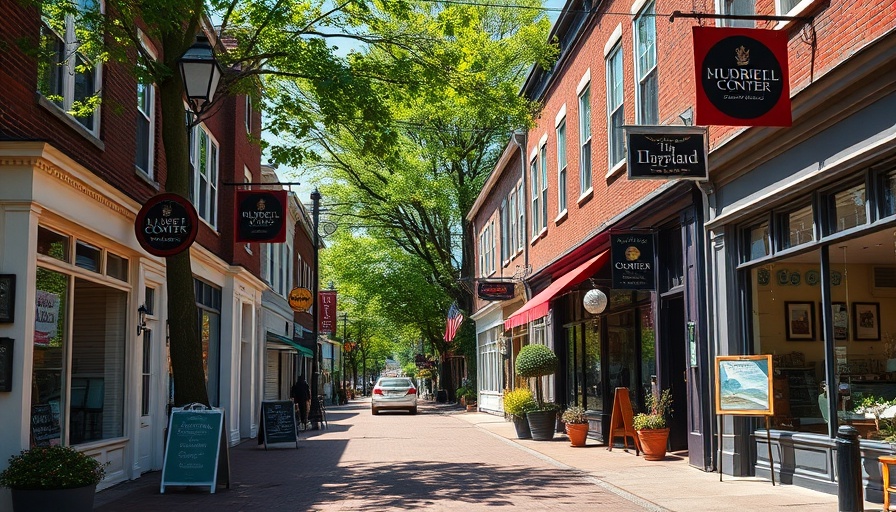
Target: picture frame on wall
x=7, y=298
x=866, y=321
x=800, y=321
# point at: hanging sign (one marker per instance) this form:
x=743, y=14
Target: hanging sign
x=166, y=225
x=666, y=152
x=260, y=216
x=300, y=299
x=495, y=290
x=633, y=260
x=742, y=77
x=327, y=311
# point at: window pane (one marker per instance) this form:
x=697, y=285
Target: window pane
x=53, y=244
x=85, y=87
x=49, y=338
x=594, y=391
x=51, y=68
x=88, y=256
x=738, y=7
x=116, y=267
x=799, y=226
x=848, y=208
x=759, y=241
x=561, y=166
x=146, y=384
x=650, y=112
x=889, y=207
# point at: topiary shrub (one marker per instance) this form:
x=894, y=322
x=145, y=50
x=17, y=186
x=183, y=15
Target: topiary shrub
x=536, y=361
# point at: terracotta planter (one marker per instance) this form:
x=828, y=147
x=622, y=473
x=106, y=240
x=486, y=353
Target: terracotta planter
x=542, y=424
x=73, y=500
x=521, y=424
x=577, y=432
x=653, y=443
x=471, y=407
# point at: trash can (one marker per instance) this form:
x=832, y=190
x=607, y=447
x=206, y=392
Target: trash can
x=442, y=396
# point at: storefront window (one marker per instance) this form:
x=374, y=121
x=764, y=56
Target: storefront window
x=49, y=338
x=621, y=356
x=848, y=208
x=798, y=226
x=208, y=300
x=575, y=378
x=889, y=189
x=53, y=244
x=759, y=241
x=594, y=397
x=490, y=361
x=648, y=347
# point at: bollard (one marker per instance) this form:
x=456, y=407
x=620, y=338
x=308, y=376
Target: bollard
x=849, y=470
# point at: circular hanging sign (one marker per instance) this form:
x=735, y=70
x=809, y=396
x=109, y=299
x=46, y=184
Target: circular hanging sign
x=166, y=225
x=300, y=299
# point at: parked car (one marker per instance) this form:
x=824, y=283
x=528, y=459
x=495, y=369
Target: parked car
x=393, y=393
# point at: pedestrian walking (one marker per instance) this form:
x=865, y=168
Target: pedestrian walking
x=301, y=396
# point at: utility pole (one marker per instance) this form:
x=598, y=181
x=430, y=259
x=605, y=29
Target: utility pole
x=314, y=416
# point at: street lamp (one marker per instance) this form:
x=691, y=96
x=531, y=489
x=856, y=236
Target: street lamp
x=314, y=415
x=200, y=72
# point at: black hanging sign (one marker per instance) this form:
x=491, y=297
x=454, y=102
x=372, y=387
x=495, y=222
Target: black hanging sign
x=496, y=290
x=666, y=152
x=260, y=216
x=166, y=225
x=633, y=260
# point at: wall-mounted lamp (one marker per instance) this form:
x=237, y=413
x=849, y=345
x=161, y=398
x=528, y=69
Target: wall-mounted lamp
x=141, y=319
x=595, y=301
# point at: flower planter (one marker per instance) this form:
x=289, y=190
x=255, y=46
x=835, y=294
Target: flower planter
x=653, y=443
x=79, y=499
x=521, y=424
x=542, y=424
x=577, y=432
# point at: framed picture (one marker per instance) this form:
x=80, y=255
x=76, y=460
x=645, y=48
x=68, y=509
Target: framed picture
x=800, y=318
x=866, y=321
x=7, y=298
x=744, y=385
x=840, y=318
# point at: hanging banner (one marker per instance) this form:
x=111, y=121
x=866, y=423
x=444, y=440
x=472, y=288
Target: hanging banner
x=495, y=290
x=166, y=225
x=633, y=261
x=666, y=152
x=327, y=301
x=742, y=77
x=260, y=216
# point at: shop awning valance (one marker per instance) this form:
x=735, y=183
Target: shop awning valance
x=286, y=341
x=539, y=305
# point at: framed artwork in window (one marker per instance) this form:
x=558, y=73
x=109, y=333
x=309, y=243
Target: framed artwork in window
x=866, y=321
x=800, y=318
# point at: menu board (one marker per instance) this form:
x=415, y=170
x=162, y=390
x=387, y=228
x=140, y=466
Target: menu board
x=44, y=426
x=278, y=421
x=194, y=448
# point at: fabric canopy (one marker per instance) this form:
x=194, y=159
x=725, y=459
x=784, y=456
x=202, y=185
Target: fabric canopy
x=539, y=305
x=307, y=352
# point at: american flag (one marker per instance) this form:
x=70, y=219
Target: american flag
x=452, y=323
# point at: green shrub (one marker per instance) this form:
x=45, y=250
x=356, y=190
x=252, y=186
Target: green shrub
x=574, y=415
x=536, y=361
x=51, y=467
x=519, y=401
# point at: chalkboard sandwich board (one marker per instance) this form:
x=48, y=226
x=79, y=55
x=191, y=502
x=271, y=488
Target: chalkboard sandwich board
x=278, y=423
x=196, y=452
x=44, y=425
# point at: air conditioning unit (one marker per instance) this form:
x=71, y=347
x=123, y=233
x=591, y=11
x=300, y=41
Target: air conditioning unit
x=883, y=281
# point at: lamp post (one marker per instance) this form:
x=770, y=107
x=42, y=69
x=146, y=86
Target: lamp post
x=344, y=329
x=201, y=73
x=314, y=416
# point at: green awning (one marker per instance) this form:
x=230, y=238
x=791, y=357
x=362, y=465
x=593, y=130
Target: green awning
x=283, y=339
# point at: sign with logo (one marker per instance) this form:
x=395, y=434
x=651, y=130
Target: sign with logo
x=300, y=299
x=666, y=152
x=327, y=301
x=742, y=77
x=260, y=216
x=495, y=290
x=166, y=225
x=633, y=260
x=46, y=317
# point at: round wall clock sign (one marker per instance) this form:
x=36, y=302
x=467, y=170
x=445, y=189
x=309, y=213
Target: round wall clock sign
x=166, y=225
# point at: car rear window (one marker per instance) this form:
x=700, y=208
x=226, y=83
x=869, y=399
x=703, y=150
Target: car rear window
x=395, y=382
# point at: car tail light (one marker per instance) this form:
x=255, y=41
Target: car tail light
x=377, y=391
x=412, y=391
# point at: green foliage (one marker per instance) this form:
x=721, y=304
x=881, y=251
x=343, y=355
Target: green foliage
x=519, y=401
x=51, y=467
x=658, y=406
x=536, y=361
x=574, y=415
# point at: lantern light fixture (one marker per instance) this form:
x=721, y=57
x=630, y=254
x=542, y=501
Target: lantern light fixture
x=200, y=72
x=595, y=301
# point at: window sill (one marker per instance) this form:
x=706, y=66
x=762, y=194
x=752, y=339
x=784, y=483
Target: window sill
x=561, y=217
x=145, y=177
x=616, y=169
x=588, y=194
x=57, y=112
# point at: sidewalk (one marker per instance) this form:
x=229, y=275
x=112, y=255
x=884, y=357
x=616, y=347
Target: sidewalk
x=668, y=485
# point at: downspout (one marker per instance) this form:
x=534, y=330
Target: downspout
x=519, y=138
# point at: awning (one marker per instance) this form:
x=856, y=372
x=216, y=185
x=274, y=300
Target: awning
x=539, y=305
x=283, y=339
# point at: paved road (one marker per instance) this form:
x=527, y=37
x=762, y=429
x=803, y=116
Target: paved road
x=394, y=461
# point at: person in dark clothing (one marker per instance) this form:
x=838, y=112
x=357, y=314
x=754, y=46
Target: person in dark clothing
x=301, y=395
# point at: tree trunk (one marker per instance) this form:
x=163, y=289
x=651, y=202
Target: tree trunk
x=185, y=347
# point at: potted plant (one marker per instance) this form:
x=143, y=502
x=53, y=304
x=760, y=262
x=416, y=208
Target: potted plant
x=535, y=362
x=52, y=478
x=518, y=402
x=653, y=434
x=576, y=425
x=875, y=407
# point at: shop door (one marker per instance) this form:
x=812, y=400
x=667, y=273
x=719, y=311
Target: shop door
x=147, y=424
x=674, y=369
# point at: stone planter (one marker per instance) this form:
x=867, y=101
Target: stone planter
x=79, y=499
x=521, y=424
x=542, y=424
